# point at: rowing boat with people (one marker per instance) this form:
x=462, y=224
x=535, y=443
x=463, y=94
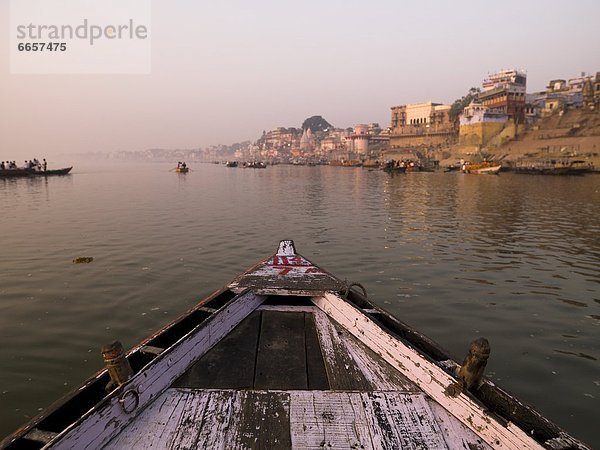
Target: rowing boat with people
x=13, y=173
x=289, y=356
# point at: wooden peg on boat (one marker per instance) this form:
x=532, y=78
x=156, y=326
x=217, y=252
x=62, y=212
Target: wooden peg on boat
x=117, y=364
x=471, y=371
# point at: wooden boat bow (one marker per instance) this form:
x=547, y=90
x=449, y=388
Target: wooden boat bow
x=279, y=358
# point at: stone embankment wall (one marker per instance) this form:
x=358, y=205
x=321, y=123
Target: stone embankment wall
x=571, y=134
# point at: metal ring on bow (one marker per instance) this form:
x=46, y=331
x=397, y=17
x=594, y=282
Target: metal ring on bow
x=136, y=400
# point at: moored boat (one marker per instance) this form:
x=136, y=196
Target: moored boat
x=346, y=163
x=371, y=164
x=257, y=165
x=289, y=356
x=392, y=166
x=485, y=167
x=553, y=167
x=231, y=164
x=11, y=173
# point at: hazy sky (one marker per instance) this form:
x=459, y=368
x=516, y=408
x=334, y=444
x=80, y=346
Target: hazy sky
x=223, y=71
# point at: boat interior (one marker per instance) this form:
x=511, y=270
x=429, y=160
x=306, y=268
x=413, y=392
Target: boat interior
x=288, y=376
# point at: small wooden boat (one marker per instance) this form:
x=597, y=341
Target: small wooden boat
x=12, y=173
x=289, y=356
x=553, y=167
x=346, y=163
x=182, y=169
x=489, y=168
x=231, y=163
x=256, y=165
x=371, y=164
x=392, y=166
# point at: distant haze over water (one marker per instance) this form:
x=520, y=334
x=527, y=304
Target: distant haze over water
x=223, y=72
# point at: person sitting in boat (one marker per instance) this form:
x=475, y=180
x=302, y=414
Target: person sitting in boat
x=183, y=165
x=178, y=164
x=44, y=164
x=2, y=167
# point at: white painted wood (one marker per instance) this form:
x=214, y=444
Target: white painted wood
x=99, y=425
x=210, y=421
x=341, y=369
x=327, y=419
x=454, y=432
x=338, y=346
x=227, y=419
x=430, y=378
x=280, y=291
x=401, y=420
x=286, y=248
x=163, y=416
x=374, y=420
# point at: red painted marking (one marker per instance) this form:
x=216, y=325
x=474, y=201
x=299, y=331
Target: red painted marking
x=284, y=261
x=312, y=270
x=285, y=271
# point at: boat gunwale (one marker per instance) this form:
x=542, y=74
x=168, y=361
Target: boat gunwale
x=133, y=351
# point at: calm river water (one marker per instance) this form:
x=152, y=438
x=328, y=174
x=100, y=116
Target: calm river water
x=514, y=258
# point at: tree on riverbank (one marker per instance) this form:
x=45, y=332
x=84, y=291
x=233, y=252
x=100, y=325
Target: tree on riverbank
x=459, y=104
x=316, y=123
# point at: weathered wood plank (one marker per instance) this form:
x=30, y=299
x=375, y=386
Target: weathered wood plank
x=401, y=420
x=264, y=421
x=97, y=427
x=454, y=432
x=229, y=364
x=328, y=420
x=315, y=366
x=281, y=358
x=215, y=419
x=286, y=274
x=288, y=308
x=429, y=377
x=379, y=374
x=223, y=419
x=157, y=426
x=374, y=420
x=209, y=421
x=342, y=371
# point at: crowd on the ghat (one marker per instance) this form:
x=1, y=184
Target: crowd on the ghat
x=32, y=164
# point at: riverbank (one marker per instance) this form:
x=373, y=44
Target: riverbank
x=571, y=134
